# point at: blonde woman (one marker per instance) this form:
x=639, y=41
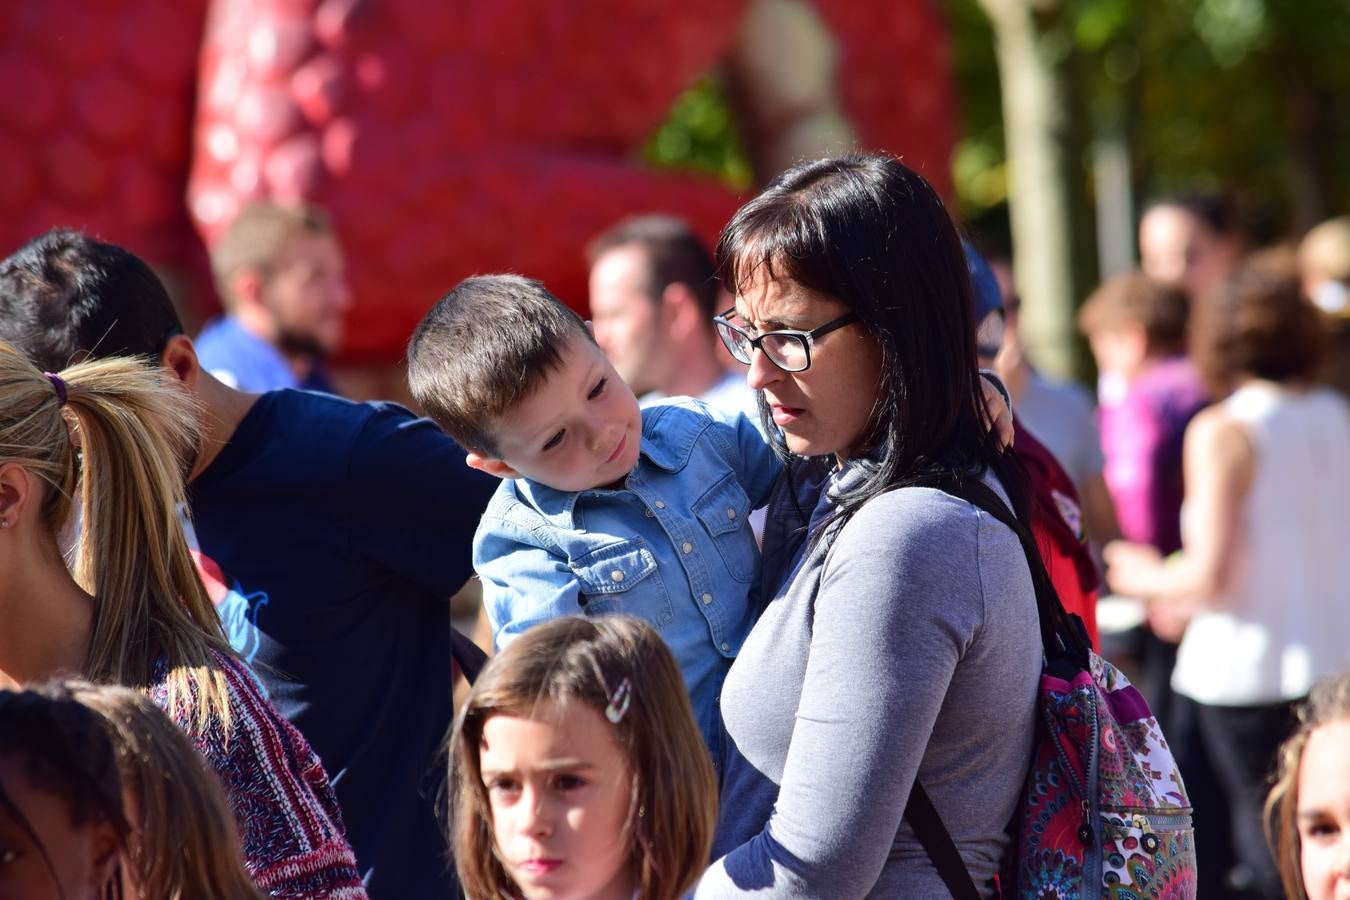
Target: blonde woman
x=130, y=608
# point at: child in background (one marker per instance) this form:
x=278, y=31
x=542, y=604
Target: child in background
x=63, y=831
x=1308, y=811
x=576, y=769
x=603, y=507
x=183, y=841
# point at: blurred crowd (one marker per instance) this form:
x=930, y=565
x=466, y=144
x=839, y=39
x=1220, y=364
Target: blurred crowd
x=268, y=565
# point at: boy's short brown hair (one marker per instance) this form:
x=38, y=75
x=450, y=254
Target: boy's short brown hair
x=484, y=347
x=1134, y=299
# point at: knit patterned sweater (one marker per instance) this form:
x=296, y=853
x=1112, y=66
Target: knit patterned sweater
x=288, y=818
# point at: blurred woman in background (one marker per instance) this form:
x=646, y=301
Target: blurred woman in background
x=1263, y=577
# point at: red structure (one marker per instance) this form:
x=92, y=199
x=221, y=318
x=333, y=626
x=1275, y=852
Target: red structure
x=446, y=138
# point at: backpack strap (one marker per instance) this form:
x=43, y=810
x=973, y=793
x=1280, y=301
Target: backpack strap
x=938, y=844
x=1062, y=636
x=467, y=654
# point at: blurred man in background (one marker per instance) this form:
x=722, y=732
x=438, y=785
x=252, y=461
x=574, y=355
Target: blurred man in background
x=653, y=294
x=1192, y=241
x=279, y=271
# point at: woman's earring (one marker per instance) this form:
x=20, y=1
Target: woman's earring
x=4, y=523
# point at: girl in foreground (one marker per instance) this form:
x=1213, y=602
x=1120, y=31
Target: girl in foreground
x=101, y=795
x=1308, y=813
x=183, y=842
x=131, y=609
x=63, y=830
x=577, y=769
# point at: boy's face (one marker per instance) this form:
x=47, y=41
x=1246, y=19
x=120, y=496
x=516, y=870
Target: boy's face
x=580, y=428
x=1122, y=350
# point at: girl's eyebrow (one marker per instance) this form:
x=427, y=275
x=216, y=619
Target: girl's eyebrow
x=576, y=764
x=550, y=765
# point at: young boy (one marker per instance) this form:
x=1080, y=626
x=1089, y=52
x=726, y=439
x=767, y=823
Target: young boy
x=603, y=507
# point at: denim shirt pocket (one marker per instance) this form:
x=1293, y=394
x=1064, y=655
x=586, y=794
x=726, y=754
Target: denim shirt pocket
x=723, y=509
x=622, y=578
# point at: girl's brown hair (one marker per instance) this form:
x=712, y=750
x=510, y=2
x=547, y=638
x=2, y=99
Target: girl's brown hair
x=135, y=428
x=183, y=842
x=64, y=751
x=673, y=807
x=1327, y=703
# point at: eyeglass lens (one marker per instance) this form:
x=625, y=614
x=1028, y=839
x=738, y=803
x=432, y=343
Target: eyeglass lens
x=787, y=351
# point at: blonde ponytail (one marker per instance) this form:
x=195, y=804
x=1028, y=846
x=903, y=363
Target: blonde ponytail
x=135, y=431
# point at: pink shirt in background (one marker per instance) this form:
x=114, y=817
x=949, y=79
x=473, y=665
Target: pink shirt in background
x=1142, y=423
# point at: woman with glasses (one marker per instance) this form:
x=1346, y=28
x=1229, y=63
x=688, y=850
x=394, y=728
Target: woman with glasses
x=900, y=638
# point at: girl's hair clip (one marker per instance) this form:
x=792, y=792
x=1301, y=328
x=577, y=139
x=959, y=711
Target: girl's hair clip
x=619, y=702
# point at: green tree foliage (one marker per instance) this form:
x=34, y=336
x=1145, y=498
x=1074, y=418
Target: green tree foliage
x=1246, y=95
x=700, y=135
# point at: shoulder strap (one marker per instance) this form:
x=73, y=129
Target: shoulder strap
x=465, y=652
x=938, y=844
x=1063, y=636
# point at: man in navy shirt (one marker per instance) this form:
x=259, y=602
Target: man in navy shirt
x=333, y=534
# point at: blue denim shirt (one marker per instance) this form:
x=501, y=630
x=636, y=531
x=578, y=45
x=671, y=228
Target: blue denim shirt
x=672, y=546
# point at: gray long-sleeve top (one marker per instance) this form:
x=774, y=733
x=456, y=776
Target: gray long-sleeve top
x=909, y=643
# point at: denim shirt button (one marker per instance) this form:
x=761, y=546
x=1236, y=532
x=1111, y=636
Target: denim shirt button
x=660, y=504
x=649, y=513
x=707, y=598
x=617, y=575
x=726, y=647
x=731, y=512
x=688, y=547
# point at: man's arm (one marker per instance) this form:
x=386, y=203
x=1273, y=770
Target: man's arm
x=413, y=502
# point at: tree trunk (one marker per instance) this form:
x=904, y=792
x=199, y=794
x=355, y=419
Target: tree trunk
x=1044, y=198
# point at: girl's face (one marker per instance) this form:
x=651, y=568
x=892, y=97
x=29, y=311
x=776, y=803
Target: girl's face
x=83, y=856
x=1324, y=812
x=826, y=409
x=558, y=786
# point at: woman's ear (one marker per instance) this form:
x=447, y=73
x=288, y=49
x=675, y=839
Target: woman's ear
x=16, y=494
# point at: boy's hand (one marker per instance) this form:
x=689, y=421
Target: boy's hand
x=997, y=411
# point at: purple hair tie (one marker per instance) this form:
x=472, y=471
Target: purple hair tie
x=58, y=384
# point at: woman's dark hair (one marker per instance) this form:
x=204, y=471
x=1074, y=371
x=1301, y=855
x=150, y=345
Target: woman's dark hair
x=1258, y=324
x=873, y=234
x=64, y=750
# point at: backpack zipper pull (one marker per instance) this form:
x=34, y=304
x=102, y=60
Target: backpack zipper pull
x=1085, y=830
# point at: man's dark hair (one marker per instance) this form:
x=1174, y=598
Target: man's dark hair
x=484, y=347
x=675, y=255
x=65, y=297
x=1218, y=212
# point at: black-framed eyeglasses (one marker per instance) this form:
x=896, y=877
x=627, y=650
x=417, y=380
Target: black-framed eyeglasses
x=788, y=349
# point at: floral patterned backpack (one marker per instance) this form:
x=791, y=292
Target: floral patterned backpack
x=1104, y=812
